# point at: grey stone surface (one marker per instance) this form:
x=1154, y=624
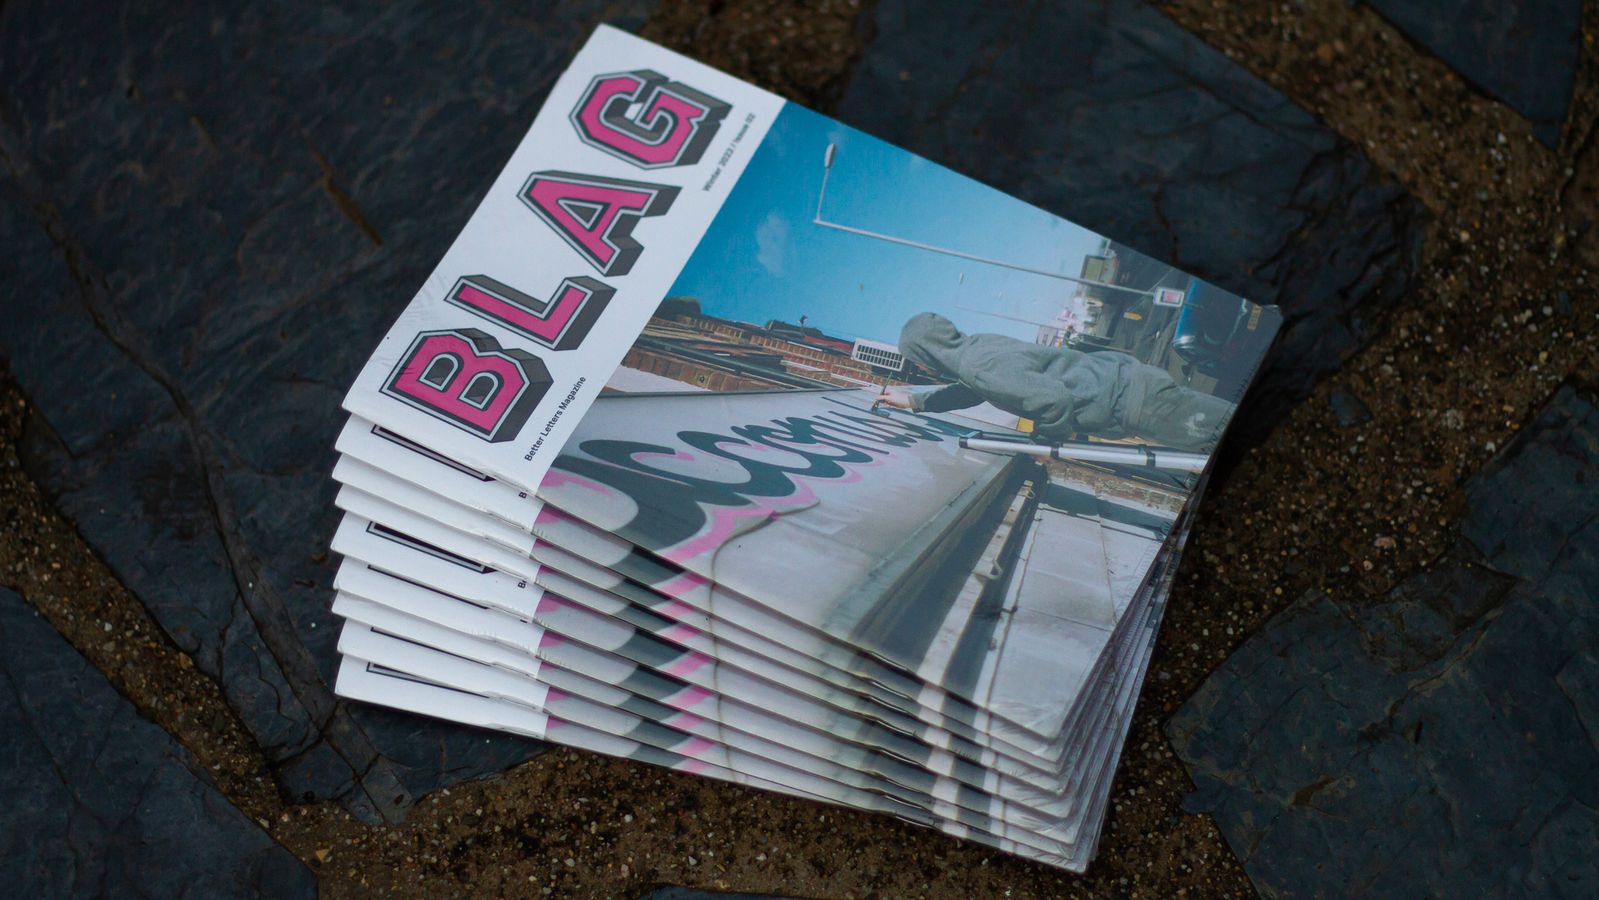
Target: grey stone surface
x=1441, y=742
x=1108, y=113
x=1534, y=512
x=100, y=802
x=1523, y=53
x=1349, y=409
x=209, y=220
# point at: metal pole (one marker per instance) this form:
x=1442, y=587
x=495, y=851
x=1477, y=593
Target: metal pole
x=1130, y=455
x=827, y=167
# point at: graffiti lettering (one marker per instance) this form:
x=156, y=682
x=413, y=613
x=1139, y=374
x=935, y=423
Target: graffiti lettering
x=648, y=120
x=560, y=323
x=829, y=445
x=595, y=215
x=465, y=378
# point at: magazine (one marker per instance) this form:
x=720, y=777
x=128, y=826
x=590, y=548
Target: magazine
x=735, y=620
x=365, y=680
x=675, y=642
x=409, y=584
x=717, y=398
x=804, y=698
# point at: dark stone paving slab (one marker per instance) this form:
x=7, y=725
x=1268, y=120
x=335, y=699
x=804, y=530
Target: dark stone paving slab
x=1444, y=742
x=1523, y=53
x=99, y=801
x=1108, y=113
x=209, y=220
x=1534, y=512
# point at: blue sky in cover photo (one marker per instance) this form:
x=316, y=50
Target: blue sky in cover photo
x=764, y=258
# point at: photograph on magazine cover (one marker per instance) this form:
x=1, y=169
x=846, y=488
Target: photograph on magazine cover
x=902, y=408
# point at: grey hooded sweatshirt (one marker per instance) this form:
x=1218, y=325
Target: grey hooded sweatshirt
x=1106, y=394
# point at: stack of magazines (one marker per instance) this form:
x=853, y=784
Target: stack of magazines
x=730, y=439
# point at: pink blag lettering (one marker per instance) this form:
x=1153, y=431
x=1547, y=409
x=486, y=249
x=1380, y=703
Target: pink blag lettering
x=559, y=323
x=596, y=215
x=465, y=378
x=647, y=119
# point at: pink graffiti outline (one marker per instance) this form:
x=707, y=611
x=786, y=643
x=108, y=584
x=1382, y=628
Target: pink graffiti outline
x=693, y=696
x=696, y=746
x=687, y=664
x=684, y=721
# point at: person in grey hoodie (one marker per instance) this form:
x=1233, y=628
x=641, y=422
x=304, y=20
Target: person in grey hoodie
x=1064, y=392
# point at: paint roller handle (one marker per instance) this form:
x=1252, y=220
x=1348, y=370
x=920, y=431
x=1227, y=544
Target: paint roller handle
x=894, y=398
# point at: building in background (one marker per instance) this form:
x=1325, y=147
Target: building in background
x=687, y=345
x=878, y=355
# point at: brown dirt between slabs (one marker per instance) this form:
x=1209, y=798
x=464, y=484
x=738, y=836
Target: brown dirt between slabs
x=1484, y=339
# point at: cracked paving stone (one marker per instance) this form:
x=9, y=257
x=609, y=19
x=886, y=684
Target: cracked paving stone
x=1112, y=115
x=1532, y=511
x=1441, y=741
x=1523, y=54
x=210, y=219
x=102, y=802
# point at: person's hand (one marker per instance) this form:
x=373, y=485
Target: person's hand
x=894, y=398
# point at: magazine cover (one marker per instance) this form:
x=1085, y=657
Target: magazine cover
x=873, y=363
